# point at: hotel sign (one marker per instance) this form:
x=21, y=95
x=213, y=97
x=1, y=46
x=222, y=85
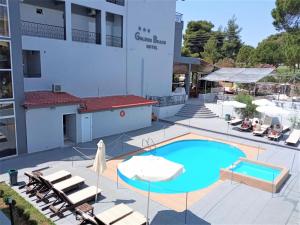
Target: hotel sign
x=152, y=42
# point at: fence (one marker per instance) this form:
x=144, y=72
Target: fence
x=168, y=100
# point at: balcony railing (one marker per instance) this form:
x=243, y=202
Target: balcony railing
x=117, y=2
x=42, y=30
x=86, y=36
x=178, y=17
x=168, y=100
x=114, y=41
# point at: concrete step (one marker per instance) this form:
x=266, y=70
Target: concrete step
x=195, y=111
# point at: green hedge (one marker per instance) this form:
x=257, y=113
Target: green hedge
x=24, y=209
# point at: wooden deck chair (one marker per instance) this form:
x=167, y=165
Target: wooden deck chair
x=73, y=200
x=108, y=217
x=64, y=186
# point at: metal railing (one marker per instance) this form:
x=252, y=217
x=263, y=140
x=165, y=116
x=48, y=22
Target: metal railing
x=86, y=36
x=178, y=17
x=114, y=41
x=117, y=2
x=168, y=100
x=42, y=30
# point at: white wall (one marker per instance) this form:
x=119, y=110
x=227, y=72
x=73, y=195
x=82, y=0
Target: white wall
x=44, y=127
x=106, y=123
x=167, y=111
x=159, y=17
x=88, y=69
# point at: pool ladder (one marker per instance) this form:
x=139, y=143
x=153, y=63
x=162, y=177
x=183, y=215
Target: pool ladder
x=149, y=143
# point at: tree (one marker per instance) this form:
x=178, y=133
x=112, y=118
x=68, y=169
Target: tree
x=245, y=56
x=196, y=35
x=225, y=62
x=232, y=42
x=211, y=52
x=287, y=15
x=250, y=109
x=291, y=50
x=269, y=51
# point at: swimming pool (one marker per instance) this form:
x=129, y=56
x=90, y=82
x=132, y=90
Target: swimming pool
x=256, y=170
x=202, y=161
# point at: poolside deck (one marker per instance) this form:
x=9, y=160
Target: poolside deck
x=228, y=203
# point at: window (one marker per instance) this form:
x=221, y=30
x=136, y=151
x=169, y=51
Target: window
x=7, y=137
x=114, y=30
x=5, y=55
x=117, y=2
x=4, y=28
x=5, y=85
x=6, y=109
x=31, y=63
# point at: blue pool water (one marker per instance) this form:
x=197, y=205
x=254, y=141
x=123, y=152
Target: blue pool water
x=255, y=170
x=202, y=161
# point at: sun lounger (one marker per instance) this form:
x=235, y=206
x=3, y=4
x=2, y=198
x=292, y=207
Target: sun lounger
x=134, y=218
x=235, y=121
x=73, y=200
x=294, y=137
x=65, y=185
x=285, y=129
x=275, y=136
x=107, y=217
x=261, y=132
x=35, y=184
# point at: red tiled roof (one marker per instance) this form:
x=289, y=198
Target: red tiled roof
x=38, y=99
x=94, y=104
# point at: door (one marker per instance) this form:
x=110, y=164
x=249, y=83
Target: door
x=86, y=127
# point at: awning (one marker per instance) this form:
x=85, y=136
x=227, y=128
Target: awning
x=239, y=75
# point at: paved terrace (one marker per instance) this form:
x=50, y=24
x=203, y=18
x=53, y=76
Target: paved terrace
x=229, y=203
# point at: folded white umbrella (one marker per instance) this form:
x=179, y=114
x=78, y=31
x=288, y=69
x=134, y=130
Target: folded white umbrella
x=99, y=164
x=150, y=168
x=263, y=102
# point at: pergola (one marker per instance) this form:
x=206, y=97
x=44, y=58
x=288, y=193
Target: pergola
x=239, y=75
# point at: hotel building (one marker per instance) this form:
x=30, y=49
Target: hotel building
x=72, y=71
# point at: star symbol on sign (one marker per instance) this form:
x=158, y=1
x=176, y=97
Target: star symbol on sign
x=140, y=28
x=148, y=30
x=144, y=29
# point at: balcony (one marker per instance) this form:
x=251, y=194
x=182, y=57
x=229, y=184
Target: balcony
x=114, y=41
x=42, y=30
x=178, y=17
x=86, y=36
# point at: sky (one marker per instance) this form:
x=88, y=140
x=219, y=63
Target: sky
x=253, y=16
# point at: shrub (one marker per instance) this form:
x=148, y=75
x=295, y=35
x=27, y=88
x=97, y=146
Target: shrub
x=250, y=110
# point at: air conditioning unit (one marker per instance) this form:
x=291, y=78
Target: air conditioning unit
x=56, y=88
x=92, y=12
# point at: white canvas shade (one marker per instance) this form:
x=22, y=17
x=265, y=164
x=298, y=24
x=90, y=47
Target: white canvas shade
x=263, y=102
x=150, y=168
x=272, y=111
x=234, y=104
x=99, y=164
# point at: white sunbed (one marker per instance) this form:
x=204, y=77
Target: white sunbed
x=260, y=132
x=66, y=184
x=134, y=218
x=114, y=214
x=57, y=176
x=294, y=137
x=235, y=121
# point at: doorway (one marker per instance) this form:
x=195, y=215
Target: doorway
x=69, y=129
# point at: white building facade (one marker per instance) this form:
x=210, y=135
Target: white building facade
x=99, y=57
x=99, y=48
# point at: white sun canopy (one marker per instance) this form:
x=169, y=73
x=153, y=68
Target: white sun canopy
x=150, y=168
x=239, y=75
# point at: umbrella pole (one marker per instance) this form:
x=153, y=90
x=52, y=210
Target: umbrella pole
x=186, y=205
x=96, y=196
x=148, y=203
